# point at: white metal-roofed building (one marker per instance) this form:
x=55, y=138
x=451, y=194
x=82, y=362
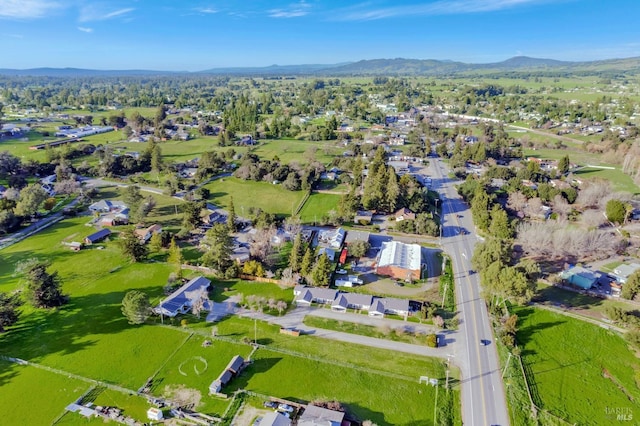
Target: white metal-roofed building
x=399, y=260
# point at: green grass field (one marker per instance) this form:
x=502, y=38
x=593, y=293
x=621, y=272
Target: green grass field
x=246, y=194
x=580, y=372
x=289, y=150
x=32, y=396
x=318, y=205
x=89, y=337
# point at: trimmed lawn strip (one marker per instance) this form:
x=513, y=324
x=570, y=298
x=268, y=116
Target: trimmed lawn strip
x=363, y=330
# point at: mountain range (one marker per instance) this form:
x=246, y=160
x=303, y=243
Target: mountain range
x=369, y=67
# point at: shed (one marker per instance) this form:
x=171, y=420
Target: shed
x=580, y=277
x=97, y=236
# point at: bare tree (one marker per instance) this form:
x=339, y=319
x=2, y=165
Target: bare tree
x=261, y=246
x=281, y=305
x=198, y=299
x=289, y=277
x=594, y=193
x=593, y=218
x=534, y=208
x=561, y=206
x=292, y=225
x=517, y=202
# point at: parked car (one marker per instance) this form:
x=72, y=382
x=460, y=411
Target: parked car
x=341, y=271
x=286, y=408
x=270, y=404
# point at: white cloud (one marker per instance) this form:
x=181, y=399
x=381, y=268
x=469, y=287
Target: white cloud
x=85, y=29
x=364, y=12
x=207, y=10
x=293, y=11
x=98, y=13
x=26, y=9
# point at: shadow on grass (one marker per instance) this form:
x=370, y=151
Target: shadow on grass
x=260, y=365
x=525, y=334
x=558, y=296
x=8, y=372
x=65, y=330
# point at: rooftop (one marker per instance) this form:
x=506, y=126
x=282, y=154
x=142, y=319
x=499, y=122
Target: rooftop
x=406, y=256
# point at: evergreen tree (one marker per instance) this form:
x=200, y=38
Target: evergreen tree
x=156, y=159
x=191, y=215
x=392, y=190
x=131, y=246
x=321, y=273
x=155, y=243
x=9, y=313
x=295, y=257
x=480, y=208
x=563, y=165
x=175, y=257
x=500, y=226
x=231, y=216
x=136, y=307
x=220, y=246
x=307, y=262
x=44, y=289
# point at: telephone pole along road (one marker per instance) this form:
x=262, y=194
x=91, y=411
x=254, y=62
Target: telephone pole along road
x=482, y=391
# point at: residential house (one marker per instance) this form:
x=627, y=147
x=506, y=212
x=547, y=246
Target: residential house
x=308, y=295
x=231, y=370
x=389, y=305
x=274, y=418
x=404, y=214
x=318, y=416
x=332, y=238
x=330, y=253
x=363, y=217
x=622, y=272
x=353, y=236
x=106, y=206
x=580, y=277
x=399, y=260
x=181, y=300
x=346, y=301
x=145, y=234
x=98, y=236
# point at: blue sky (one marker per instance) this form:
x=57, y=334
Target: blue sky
x=196, y=35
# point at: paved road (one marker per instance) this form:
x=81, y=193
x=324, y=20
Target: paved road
x=483, y=397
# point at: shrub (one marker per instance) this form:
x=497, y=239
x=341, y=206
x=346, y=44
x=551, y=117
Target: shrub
x=432, y=340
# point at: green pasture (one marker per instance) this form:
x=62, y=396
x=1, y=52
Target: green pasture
x=317, y=206
x=577, y=371
x=289, y=150
x=196, y=367
x=33, y=396
x=365, y=392
x=246, y=194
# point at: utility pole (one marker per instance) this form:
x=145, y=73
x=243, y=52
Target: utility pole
x=506, y=365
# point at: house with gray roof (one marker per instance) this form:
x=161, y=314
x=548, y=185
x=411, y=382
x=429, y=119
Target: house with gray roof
x=389, y=305
x=181, y=300
x=318, y=416
x=308, y=295
x=346, y=301
x=622, y=272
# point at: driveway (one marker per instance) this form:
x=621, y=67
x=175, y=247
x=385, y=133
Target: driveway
x=295, y=318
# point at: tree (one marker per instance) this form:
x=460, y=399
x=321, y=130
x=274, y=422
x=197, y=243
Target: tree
x=616, y=211
x=321, y=272
x=359, y=248
x=136, y=307
x=220, y=247
x=500, y=226
x=191, y=215
x=480, y=207
x=9, y=314
x=31, y=198
x=563, y=165
x=295, y=257
x=131, y=246
x=632, y=287
x=281, y=306
x=156, y=243
x=44, y=289
x=307, y=262
x=175, y=257
x=231, y=216
x=156, y=159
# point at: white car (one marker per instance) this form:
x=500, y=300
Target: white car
x=285, y=407
x=341, y=271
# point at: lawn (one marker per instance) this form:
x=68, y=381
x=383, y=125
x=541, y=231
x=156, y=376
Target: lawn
x=289, y=150
x=195, y=367
x=247, y=194
x=48, y=393
x=317, y=206
x=579, y=371
x=365, y=393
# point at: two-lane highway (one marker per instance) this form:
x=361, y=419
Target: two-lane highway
x=483, y=397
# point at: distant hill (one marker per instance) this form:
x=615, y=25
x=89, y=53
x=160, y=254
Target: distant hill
x=370, y=67
x=80, y=72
